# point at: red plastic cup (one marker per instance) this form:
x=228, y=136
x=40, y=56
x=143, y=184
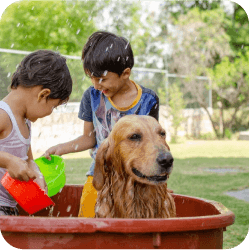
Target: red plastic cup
x=28, y=194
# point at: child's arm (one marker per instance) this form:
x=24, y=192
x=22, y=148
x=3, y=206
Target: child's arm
x=17, y=168
x=83, y=142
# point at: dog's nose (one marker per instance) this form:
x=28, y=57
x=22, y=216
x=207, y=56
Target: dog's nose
x=165, y=160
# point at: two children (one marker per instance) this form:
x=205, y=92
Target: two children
x=41, y=82
x=108, y=60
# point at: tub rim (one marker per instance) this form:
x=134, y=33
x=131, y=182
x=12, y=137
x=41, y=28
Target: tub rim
x=115, y=225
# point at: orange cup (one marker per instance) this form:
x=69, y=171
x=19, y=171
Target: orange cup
x=28, y=194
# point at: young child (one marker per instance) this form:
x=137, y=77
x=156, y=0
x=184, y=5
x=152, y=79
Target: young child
x=108, y=60
x=41, y=82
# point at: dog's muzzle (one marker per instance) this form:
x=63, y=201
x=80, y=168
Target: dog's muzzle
x=165, y=161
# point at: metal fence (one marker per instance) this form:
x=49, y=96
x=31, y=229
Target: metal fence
x=156, y=79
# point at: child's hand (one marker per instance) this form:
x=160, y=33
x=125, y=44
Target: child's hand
x=55, y=150
x=18, y=169
x=40, y=178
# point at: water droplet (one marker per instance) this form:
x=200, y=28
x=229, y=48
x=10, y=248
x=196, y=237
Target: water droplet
x=50, y=214
x=58, y=214
x=127, y=58
x=111, y=46
x=100, y=80
x=78, y=31
x=68, y=208
x=118, y=58
x=9, y=74
x=126, y=45
x=76, y=147
x=106, y=49
x=105, y=73
x=12, y=45
x=18, y=25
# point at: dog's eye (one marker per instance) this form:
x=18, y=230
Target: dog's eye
x=162, y=133
x=135, y=137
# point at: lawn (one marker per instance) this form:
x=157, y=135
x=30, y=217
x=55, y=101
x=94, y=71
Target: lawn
x=190, y=178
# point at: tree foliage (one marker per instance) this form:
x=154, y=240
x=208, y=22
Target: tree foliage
x=176, y=106
x=56, y=25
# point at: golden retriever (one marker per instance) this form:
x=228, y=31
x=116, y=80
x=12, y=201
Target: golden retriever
x=131, y=171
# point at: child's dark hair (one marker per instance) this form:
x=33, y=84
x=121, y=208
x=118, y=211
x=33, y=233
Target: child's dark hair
x=47, y=69
x=106, y=51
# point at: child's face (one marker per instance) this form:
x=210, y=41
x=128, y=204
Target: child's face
x=43, y=108
x=109, y=83
x=39, y=104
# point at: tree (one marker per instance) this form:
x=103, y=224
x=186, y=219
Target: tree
x=201, y=43
x=231, y=82
x=176, y=106
x=238, y=29
x=62, y=26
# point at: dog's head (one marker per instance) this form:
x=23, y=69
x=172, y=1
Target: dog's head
x=137, y=147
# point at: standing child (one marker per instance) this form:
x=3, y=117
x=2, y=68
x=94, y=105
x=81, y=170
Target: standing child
x=41, y=82
x=108, y=60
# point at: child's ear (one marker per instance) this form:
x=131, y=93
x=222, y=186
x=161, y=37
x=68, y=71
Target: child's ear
x=44, y=93
x=126, y=73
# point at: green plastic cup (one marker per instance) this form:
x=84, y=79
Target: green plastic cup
x=54, y=173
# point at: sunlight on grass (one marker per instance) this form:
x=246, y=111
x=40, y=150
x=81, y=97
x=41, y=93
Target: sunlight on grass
x=210, y=149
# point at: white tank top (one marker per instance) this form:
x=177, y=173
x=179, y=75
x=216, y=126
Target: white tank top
x=16, y=145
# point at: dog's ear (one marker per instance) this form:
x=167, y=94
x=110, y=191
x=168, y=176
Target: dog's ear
x=99, y=170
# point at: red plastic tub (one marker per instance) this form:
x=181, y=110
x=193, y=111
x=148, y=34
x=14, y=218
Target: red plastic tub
x=199, y=224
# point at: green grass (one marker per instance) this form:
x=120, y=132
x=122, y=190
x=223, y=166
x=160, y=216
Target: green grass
x=190, y=178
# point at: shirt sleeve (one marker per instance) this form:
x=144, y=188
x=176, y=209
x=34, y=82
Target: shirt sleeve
x=85, y=111
x=154, y=112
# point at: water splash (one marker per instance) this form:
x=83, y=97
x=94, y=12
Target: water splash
x=50, y=213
